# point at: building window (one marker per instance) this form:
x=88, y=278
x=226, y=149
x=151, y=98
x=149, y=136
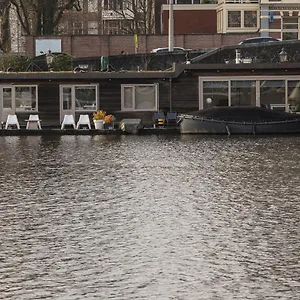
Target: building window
x=7, y=98
x=92, y=27
x=234, y=19
x=81, y=97
x=111, y=27
x=139, y=97
x=268, y=92
x=294, y=94
x=243, y=92
x=78, y=28
x=250, y=18
x=290, y=28
x=272, y=93
x=25, y=98
x=113, y=4
x=93, y=6
x=215, y=93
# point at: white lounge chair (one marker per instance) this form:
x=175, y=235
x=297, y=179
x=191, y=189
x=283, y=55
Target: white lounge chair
x=68, y=120
x=84, y=120
x=33, y=122
x=12, y=120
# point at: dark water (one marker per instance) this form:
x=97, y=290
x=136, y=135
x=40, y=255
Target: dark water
x=149, y=217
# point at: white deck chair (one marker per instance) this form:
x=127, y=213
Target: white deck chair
x=33, y=122
x=12, y=120
x=84, y=120
x=68, y=120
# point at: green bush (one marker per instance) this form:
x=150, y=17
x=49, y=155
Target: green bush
x=17, y=63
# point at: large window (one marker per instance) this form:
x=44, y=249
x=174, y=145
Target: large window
x=270, y=92
x=25, y=98
x=139, y=97
x=19, y=98
x=80, y=97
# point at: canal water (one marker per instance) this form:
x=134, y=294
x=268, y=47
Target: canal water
x=150, y=217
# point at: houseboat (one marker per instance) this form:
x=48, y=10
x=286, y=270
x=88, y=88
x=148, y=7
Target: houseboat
x=243, y=75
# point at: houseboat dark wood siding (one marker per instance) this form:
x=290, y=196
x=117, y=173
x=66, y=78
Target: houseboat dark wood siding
x=178, y=89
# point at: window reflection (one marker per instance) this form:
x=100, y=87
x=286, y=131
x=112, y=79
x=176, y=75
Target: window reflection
x=294, y=95
x=85, y=98
x=25, y=98
x=7, y=98
x=272, y=94
x=243, y=92
x=215, y=93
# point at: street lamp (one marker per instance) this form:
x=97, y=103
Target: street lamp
x=283, y=55
x=49, y=59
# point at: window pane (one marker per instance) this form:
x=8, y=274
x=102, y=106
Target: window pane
x=92, y=5
x=243, y=93
x=272, y=93
x=67, y=103
x=92, y=27
x=250, y=18
x=145, y=97
x=234, y=19
x=294, y=94
x=215, y=93
x=25, y=98
x=85, y=98
x=7, y=98
x=128, y=101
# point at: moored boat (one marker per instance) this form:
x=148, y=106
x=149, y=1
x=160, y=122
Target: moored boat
x=239, y=120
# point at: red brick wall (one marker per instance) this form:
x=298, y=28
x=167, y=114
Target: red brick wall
x=98, y=45
x=191, y=21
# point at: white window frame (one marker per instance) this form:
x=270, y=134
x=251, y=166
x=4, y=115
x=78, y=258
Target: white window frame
x=73, y=89
x=133, y=86
x=286, y=79
x=13, y=89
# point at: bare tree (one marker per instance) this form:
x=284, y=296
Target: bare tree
x=41, y=17
x=4, y=26
x=138, y=16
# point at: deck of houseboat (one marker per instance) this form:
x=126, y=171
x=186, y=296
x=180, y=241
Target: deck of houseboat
x=70, y=131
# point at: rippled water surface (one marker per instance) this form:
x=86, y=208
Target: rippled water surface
x=149, y=217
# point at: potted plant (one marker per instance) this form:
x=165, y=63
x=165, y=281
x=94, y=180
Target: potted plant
x=109, y=121
x=98, y=118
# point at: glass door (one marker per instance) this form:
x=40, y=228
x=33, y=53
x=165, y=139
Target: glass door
x=67, y=106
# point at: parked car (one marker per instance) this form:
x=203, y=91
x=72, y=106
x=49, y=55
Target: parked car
x=175, y=49
x=258, y=40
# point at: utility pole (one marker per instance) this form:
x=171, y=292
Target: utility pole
x=171, y=26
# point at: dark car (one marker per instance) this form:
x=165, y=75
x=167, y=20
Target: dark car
x=255, y=40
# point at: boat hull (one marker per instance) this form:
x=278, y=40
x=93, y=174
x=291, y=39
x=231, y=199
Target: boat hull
x=280, y=124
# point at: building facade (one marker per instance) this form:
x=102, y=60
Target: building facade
x=277, y=18
x=110, y=17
